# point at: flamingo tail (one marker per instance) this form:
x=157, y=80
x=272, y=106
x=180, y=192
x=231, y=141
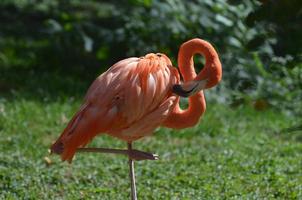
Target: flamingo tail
x=73, y=136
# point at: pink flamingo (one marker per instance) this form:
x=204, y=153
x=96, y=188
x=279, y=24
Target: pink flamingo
x=137, y=95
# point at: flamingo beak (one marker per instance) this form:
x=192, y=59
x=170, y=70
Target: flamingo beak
x=189, y=88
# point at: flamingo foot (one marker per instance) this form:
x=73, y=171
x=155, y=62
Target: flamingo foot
x=141, y=155
x=132, y=153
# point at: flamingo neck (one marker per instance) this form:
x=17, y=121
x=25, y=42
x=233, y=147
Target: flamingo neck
x=189, y=117
x=179, y=119
x=212, y=70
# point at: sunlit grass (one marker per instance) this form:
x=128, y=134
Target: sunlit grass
x=233, y=153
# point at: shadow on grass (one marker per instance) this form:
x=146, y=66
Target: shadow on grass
x=45, y=84
x=291, y=132
x=53, y=85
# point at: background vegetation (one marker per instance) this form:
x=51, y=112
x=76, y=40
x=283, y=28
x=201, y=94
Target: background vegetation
x=51, y=50
x=258, y=41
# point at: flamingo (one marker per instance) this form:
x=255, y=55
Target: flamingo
x=137, y=95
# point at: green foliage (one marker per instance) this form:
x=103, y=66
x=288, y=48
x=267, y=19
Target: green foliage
x=234, y=154
x=54, y=33
x=258, y=43
x=277, y=50
x=90, y=33
x=280, y=24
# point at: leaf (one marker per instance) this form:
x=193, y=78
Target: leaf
x=224, y=20
x=235, y=42
x=88, y=43
x=54, y=26
x=47, y=161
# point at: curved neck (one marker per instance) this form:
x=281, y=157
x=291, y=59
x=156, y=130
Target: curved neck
x=179, y=118
x=189, y=117
x=212, y=70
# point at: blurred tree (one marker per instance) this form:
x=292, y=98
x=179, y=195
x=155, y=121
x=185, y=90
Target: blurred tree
x=54, y=33
x=278, y=47
x=258, y=41
x=280, y=22
x=93, y=33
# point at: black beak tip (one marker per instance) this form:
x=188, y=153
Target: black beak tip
x=177, y=89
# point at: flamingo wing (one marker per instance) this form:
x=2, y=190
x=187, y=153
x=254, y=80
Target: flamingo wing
x=128, y=101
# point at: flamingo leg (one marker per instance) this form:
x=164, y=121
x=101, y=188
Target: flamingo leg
x=132, y=173
x=134, y=154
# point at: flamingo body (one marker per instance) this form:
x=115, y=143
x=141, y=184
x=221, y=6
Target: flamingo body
x=128, y=101
x=134, y=97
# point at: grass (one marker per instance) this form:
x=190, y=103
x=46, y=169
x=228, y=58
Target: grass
x=232, y=154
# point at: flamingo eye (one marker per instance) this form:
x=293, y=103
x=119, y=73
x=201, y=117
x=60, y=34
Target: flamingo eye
x=118, y=97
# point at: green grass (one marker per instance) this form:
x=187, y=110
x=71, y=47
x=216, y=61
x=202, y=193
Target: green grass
x=232, y=154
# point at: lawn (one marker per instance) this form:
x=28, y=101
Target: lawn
x=234, y=153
